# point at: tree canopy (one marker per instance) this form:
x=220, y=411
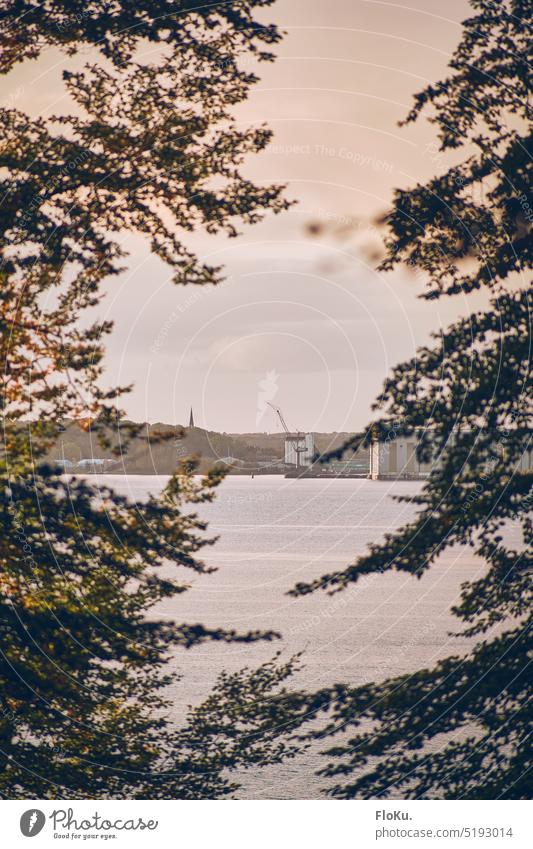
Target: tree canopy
x=150, y=146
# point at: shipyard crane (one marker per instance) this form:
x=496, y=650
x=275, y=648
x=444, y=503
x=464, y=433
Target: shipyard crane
x=295, y=438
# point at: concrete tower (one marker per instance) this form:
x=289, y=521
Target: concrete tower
x=191, y=419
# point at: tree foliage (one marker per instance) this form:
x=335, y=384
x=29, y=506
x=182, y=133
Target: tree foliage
x=460, y=729
x=150, y=147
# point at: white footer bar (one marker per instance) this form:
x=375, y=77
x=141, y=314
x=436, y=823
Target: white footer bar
x=267, y=824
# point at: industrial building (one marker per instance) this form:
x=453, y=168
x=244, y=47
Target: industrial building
x=397, y=458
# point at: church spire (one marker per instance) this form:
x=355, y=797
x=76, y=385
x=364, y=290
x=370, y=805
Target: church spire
x=191, y=419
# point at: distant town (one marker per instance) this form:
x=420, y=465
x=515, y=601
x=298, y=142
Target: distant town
x=77, y=450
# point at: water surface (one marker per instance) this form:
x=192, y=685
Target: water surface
x=275, y=532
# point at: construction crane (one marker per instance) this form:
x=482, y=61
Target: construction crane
x=281, y=418
x=295, y=438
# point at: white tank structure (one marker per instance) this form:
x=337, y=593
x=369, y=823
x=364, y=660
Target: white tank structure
x=299, y=449
x=375, y=465
x=526, y=462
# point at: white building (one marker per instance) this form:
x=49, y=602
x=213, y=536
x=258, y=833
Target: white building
x=300, y=445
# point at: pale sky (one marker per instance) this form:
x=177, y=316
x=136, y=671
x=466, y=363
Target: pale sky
x=306, y=322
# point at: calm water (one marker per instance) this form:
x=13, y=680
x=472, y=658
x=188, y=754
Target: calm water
x=275, y=532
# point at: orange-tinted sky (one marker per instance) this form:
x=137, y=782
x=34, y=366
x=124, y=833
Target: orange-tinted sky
x=306, y=322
